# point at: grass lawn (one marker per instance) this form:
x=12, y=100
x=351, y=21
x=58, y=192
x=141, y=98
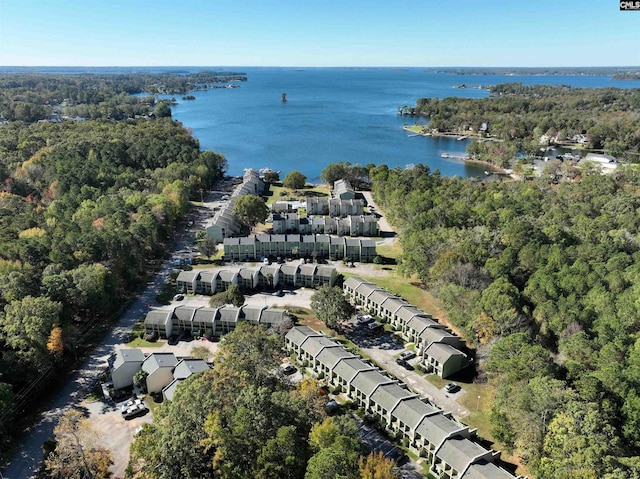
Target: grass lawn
x=391, y=251
x=141, y=343
x=277, y=192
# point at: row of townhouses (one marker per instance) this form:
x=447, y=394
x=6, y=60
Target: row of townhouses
x=449, y=446
x=164, y=370
x=211, y=322
x=224, y=223
x=276, y=276
x=353, y=225
x=440, y=350
x=318, y=246
x=334, y=206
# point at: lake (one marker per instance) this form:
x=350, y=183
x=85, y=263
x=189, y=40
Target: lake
x=336, y=114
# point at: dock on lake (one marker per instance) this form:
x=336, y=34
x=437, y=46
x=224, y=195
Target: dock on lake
x=455, y=156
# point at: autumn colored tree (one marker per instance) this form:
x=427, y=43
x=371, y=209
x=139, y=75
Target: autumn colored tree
x=376, y=466
x=55, y=344
x=76, y=454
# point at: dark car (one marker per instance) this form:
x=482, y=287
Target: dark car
x=173, y=340
x=289, y=369
x=404, y=364
x=452, y=388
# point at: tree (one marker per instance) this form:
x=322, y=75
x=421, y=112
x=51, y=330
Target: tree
x=77, y=455
x=514, y=358
x=336, y=461
x=294, y=180
x=376, y=466
x=162, y=110
x=26, y=326
x=330, y=306
x=251, y=210
x=140, y=379
x=272, y=177
x=235, y=296
x=55, y=343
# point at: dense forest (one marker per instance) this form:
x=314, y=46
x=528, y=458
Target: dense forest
x=518, y=116
x=544, y=279
x=241, y=420
x=85, y=209
x=31, y=97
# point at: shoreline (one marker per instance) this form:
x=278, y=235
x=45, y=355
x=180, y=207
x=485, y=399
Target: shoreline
x=490, y=166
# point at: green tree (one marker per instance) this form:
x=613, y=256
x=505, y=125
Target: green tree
x=294, y=180
x=162, y=110
x=272, y=177
x=514, y=358
x=251, y=210
x=234, y=295
x=330, y=306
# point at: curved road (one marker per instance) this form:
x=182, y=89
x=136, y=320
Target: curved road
x=27, y=457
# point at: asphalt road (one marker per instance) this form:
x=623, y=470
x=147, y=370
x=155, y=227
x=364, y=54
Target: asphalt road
x=27, y=457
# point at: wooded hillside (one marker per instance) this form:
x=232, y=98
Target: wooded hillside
x=545, y=280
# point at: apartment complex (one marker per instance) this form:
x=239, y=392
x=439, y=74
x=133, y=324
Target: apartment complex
x=450, y=447
x=440, y=350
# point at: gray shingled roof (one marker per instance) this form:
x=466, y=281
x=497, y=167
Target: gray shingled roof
x=298, y=334
x=353, y=282
x=158, y=316
x=184, y=313
x=331, y=356
x=189, y=366
x=486, y=470
x=156, y=361
x=206, y=315
x=272, y=316
x=420, y=323
x=229, y=314
x=459, y=452
x=442, y=352
x=437, y=427
x=187, y=276
x=431, y=335
x=388, y=395
x=252, y=313
x=348, y=368
x=393, y=304
x=316, y=344
x=367, y=288
x=368, y=381
x=407, y=312
x=379, y=296
x=411, y=411
x=126, y=355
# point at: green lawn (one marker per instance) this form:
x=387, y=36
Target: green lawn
x=277, y=192
x=141, y=343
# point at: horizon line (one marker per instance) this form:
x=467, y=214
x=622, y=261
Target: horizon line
x=315, y=66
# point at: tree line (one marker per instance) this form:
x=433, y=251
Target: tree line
x=543, y=280
x=85, y=208
x=518, y=115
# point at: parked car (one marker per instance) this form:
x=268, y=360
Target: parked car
x=452, y=388
x=134, y=411
x=129, y=404
x=178, y=297
x=404, y=364
x=363, y=318
x=374, y=327
x=173, y=340
x=406, y=355
x=288, y=369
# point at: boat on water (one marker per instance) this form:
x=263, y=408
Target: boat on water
x=267, y=170
x=460, y=138
x=444, y=155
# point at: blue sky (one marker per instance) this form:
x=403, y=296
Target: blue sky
x=318, y=33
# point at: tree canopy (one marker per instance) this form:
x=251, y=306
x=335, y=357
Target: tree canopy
x=251, y=210
x=294, y=180
x=330, y=306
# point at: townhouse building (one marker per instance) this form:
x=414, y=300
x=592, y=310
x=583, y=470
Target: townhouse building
x=440, y=351
x=449, y=446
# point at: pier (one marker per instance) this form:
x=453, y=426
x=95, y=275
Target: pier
x=455, y=156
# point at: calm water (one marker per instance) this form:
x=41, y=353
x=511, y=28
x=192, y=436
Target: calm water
x=335, y=114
